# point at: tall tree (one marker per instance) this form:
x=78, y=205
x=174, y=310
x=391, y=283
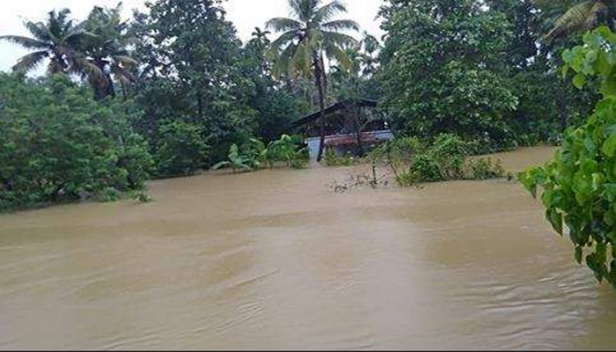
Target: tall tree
x=310, y=35
x=106, y=56
x=441, y=69
x=56, y=39
x=191, y=72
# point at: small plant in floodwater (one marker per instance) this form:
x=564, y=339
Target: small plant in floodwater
x=332, y=159
x=142, y=197
x=358, y=180
x=413, y=162
x=109, y=194
x=485, y=168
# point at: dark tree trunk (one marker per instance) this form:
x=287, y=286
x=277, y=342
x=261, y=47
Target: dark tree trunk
x=103, y=86
x=124, y=92
x=318, y=76
x=358, y=128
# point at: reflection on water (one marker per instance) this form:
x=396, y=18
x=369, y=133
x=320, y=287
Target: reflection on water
x=274, y=259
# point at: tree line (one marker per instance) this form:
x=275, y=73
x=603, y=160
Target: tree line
x=170, y=91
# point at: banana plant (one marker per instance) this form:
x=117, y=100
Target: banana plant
x=236, y=161
x=286, y=150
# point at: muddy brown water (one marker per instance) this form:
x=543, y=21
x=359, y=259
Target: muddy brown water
x=276, y=260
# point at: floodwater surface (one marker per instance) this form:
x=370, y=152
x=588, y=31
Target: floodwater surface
x=277, y=260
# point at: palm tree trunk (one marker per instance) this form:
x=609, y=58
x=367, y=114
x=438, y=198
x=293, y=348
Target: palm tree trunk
x=318, y=76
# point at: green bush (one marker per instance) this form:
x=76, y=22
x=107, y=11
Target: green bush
x=450, y=151
x=57, y=143
x=331, y=158
x=434, y=82
x=446, y=158
x=579, y=186
x=426, y=168
x=485, y=168
x=180, y=150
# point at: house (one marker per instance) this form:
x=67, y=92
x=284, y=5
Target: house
x=351, y=126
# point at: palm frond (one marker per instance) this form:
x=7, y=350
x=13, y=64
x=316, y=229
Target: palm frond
x=283, y=60
x=62, y=18
x=340, y=25
x=370, y=43
x=126, y=61
x=284, y=39
x=574, y=19
x=122, y=75
x=28, y=43
x=304, y=10
x=334, y=51
x=58, y=22
x=339, y=39
x=328, y=11
x=38, y=31
x=30, y=61
x=281, y=24
x=295, y=8
x=82, y=66
x=595, y=14
x=301, y=61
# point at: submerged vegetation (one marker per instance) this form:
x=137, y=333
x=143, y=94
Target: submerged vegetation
x=446, y=158
x=254, y=154
x=59, y=144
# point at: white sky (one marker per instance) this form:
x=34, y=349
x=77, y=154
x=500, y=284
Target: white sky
x=245, y=14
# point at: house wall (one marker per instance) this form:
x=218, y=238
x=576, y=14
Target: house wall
x=314, y=143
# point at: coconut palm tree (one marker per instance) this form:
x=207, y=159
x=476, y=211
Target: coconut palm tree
x=259, y=37
x=56, y=40
x=578, y=15
x=310, y=35
x=105, y=55
x=368, y=57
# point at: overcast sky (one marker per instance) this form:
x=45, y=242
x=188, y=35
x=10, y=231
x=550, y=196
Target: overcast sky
x=245, y=14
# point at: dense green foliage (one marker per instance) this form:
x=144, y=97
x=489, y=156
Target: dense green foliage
x=181, y=149
x=441, y=69
x=579, y=187
x=58, y=143
x=482, y=72
x=195, y=78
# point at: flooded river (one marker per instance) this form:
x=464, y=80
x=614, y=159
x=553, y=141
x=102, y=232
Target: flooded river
x=276, y=260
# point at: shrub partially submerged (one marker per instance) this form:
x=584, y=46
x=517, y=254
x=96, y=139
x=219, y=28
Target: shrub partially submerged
x=332, y=159
x=181, y=150
x=447, y=158
x=58, y=144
